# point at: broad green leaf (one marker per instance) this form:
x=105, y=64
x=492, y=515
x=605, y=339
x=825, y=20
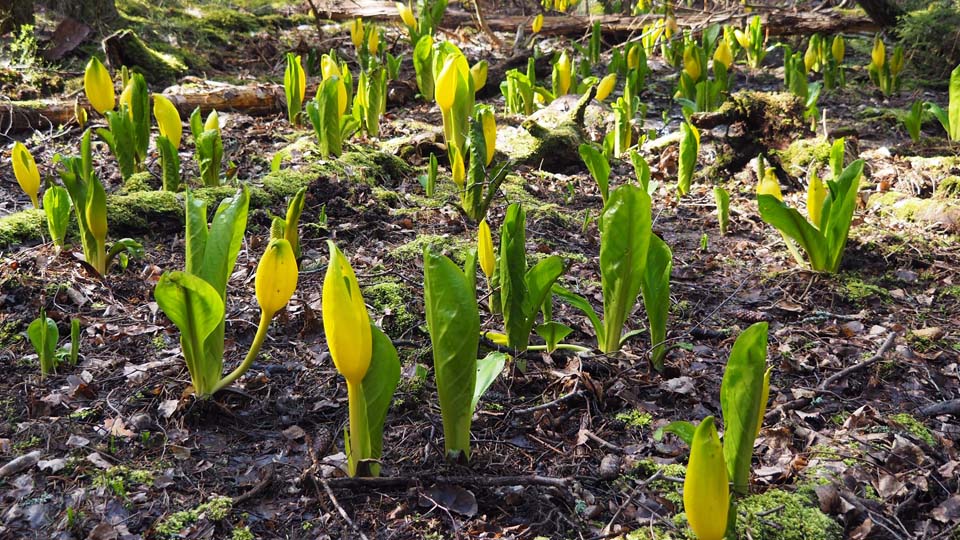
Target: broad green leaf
x=740, y=395
x=210, y=156
x=539, y=280
x=583, y=305
x=954, y=106
x=224, y=241
x=793, y=225
x=513, y=269
x=553, y=333
x=56, y=205
x=453, y=321
x=140, y=110
x=170, y=163
x=488, y=369
x=197, y=309
x=837, y=151
x=656, y=296
x=378, y=385
x=838, y=209
x=641, y=169
x=197, y=233
x=196, y=124
x=599, y=168
x=722, y=198
x=680, y=428
x=292, y=221
x=44, y=334
x=624, y=244
x=423, y=65
x=689, y=149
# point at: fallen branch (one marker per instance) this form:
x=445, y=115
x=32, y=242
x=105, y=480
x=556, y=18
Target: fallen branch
x=829, y=381
x=951, y=407
x=343, y=513
x=387, y=482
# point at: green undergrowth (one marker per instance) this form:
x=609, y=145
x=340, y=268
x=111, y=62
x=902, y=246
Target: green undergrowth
x=216, y=509
x=391, y=301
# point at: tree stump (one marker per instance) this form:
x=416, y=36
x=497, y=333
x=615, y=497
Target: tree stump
x=125, y=48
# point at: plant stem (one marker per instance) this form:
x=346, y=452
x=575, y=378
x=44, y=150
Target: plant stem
x=251, y=354
x=358, y=427
x=564, y=346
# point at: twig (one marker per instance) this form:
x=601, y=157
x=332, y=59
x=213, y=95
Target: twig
x=384, y=482
x=630, y=497
x=343, y=513
x=804, y=401
x=946, y=407
x=256, y=489
x=891, y=339
x=566, y=397
x=606, y=444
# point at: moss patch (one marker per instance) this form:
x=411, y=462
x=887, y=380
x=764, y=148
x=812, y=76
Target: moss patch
x=935, y=211
x=797, y=158
x=914, y=427
x=798, y=518
x=390, y=299
x=139, y=182
x=215, y=509
x=454, y=247
x=22, y=226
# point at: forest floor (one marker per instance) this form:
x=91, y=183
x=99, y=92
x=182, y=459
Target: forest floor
x=117, y=451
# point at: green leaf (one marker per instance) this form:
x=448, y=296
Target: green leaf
x=196, y=308
x=624, y=244
x=292, y=221
x=583, y=305
x=222, y=246
x=210, y=156
x=553, y=333
x=793, y=225
x=141, y=117
x=56, y=205
x=453, y=321
x=722, y=198
x=680, y=428
x=170, y=163
x=513, y=269
x=423, y=65
x=488, y=369
x=291, y=87
x=740, y=395
x=378, y=386
x=196, y=124
x=74, y=341
x=656, y=296
x=539, y=280
x=689, y=149
x=44, y=334
x=837, y=151
x=641, y=169
x=599, y=168
x=838, y=209
x=954, y=106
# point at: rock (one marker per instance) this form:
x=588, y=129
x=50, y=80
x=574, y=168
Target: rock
x=610, y=467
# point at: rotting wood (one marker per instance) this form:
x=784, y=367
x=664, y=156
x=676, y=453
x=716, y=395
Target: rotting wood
x=778, y=23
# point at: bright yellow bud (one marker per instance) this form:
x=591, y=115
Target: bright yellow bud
x=25, y=169
x=98, y=86
x=213, y=121
x=356, y=33
x=301, y=77
x=563, y=71
x=485, y=249
x=606, y=86
x=537, y=23
x=769, y=185
x=479, y=75
x=446, y=85
x=497, y=338
x=168, y=119
x=457, y=169
x=879, y=53
x=329, y=67
x=488, y=122
x=633, y=57
x=723, y=54
x=816, y=194
x=406, y=15
x=838, y=48
x=691, y=63
x=276, y=277
x=345, y=319
x=809, y=58
x=373, y=42
x=764, y=396
x=126, y=98
x=706, y=495
x=742, y=38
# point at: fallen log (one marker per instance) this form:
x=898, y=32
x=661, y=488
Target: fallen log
x=778, y=23
x=255, y=100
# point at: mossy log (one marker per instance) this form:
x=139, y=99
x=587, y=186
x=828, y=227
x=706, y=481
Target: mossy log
x=133, y=213
x=125, y=48
x=551, y=136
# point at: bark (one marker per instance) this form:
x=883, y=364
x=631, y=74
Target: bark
x=14, y=14
x=883, y=12
x=90, y=12
x=125, y=48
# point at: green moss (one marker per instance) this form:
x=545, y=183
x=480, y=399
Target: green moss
x=669, y=489
x=514, y=188
x=856, y=289
x=939, y=211
x=391, y=299
x=454, y=247
x=914, y=427
x=215, y=509
x=121, y=478
x=242, y=533
x=796, y=158
x=157, y=67
x=949, y=188
x=794, y=517
x=374, y=167
x=139, y=182
x=22, y=226
x=635, y=418
x=140, y=213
